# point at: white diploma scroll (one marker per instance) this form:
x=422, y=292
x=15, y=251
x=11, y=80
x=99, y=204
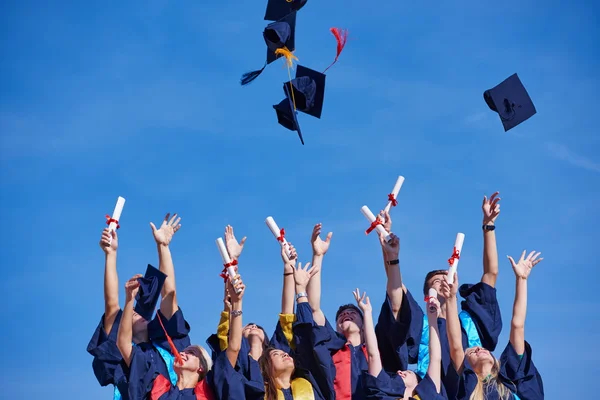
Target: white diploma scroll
x=116, y=216
x=432, y=294
x=395, y=192
x=458, y=244
x=277, y=233
x=371, y=218
x=227, y=261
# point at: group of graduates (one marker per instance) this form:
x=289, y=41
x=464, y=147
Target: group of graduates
x=148, y=355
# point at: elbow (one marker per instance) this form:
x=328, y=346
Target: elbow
x=517, y=324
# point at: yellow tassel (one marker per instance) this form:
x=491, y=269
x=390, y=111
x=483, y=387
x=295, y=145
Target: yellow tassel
x=289, y=62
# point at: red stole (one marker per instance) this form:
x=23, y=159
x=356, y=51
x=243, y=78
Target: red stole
x=162, y=385
x=343, y=372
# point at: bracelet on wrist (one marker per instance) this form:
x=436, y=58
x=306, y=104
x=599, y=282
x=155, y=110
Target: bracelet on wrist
x=236, y=313
x=392, y=262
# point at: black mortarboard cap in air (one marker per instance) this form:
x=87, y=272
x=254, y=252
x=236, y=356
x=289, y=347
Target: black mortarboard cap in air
x=511, y=101
x=277, y=35
x=150, y=286
x=286, y=115
x=309, y=91
x=278, y=9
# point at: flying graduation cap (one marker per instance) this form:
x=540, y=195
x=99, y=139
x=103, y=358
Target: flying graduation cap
x=279, y=35
x=511, y=101
x=149, y=292
x=306, y=92
x=279, y=9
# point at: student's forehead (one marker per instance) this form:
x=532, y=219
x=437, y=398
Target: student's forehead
x=437, y=277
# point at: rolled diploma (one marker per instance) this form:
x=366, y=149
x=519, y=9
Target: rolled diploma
x=116, y=216
x=226, y=260
x=395, y=192
x=460, y=239
x=432, y=293
x=379, y=228
x=277, y=232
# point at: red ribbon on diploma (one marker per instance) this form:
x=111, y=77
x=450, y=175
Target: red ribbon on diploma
x=281, y=235
x=373, y=225
x=223, y=274
x=109, y=219
x=427, y=298
x=392, y=199
x=455, y=256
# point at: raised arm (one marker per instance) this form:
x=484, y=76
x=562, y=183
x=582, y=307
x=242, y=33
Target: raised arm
x=163, y=236
x=319, y=247
x=391, y=263
x=364, y=304
x=111, y=278
x=125, y=334
x=522, y=270
x=434, y=370
x=235, y=328
x=453, y=328
x=491, y=210
x=288, y=292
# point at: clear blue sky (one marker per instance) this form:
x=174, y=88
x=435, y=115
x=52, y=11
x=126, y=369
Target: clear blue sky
x=141, y=99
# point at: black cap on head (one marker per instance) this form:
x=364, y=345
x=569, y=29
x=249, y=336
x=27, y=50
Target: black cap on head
x=511, y=101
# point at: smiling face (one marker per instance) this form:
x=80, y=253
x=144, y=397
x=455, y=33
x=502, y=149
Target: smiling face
x=140, y=325
x=281, y=361
x=194, y=361
x=409, y=378
x=478, y=358
x=349, y=320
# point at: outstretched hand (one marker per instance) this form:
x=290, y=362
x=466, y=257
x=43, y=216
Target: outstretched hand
x=523, y=268
x=491, y=208
x=168, y=228
x=233, y=247
x=302, y=275
x=363, y=302
x=320, y=246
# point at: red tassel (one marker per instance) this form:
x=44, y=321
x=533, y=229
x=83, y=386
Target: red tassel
x=174, y=350
x=341, y=36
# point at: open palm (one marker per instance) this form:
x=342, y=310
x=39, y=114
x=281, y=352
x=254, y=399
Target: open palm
x=525, y=265
x=233, y=247
x=167, y=229
x=491, y=208
x=319, y=245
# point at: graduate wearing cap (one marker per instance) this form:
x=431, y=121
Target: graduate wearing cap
x=280, y=38
x=514, y=376
x=480, y=317
x=341, y=352
x=167, y=330
x=511, y=101
x=379, y=385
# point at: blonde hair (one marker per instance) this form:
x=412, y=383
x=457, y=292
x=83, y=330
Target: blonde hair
x=484, y=385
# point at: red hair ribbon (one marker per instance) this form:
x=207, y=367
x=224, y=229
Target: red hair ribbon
x=341, y=36
x=281, y=235
x=373, y=225
x=174, y=350
x=109, y=219
x=392, y=198
x=455, y=256
x=223, y=273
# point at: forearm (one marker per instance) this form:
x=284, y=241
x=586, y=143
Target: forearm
x=434, y=370
x=125, y=334
x=517, y=326
x=288, y=293
x=165, y=265
x=235, y=333
x=111, y=291
x=454, y=333
x=394, y=283
x=372, y=347
x=314, y=291
x=490, y=258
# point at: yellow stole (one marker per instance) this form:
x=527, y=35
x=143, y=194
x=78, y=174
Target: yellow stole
x=301, y=390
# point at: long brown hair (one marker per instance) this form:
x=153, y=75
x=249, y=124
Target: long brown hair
x=266, y=368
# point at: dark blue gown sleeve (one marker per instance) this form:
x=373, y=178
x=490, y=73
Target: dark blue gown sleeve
x=383, y=387
x=177, y=328
x=520, y=374
x=103, y=347
x=392, y=335
x=427, y=391
x=412, y=314
x=228, y=383
x=481, y=303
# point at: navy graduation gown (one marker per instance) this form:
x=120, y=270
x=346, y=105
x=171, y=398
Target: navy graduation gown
x=391, y=387
x=146, y=360
x=517, y=373
x=229, y=383
x=103, y=347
